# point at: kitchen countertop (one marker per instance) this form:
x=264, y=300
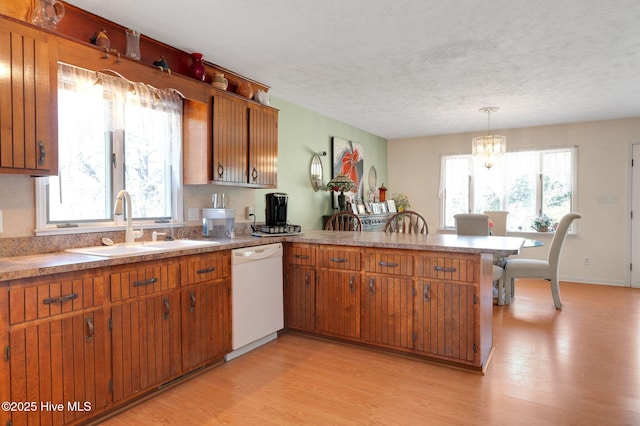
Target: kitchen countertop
x=17, y=267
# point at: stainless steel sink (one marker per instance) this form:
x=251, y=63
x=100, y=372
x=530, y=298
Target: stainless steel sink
x=141, y=248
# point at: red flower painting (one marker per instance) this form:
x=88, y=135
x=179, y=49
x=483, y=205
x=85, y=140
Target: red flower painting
x=348, y=159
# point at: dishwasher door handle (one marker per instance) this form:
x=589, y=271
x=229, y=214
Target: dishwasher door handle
x=258, y=253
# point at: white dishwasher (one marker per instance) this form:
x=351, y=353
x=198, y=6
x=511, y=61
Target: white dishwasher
x=257, y=301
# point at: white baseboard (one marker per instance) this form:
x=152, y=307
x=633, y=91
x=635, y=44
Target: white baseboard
x=592, y=280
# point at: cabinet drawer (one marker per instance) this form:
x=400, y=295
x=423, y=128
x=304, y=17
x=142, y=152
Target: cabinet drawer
x=340, y=258
x=459, y=267
x=142, y=279
x=206, y=267
x=42, y=298
x=389, y=263
x=301, y=254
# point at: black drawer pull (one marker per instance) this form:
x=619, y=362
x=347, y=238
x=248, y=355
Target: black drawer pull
x=145, y=282
x=167, y=309
x=372, y=286
x=61, y=299
x=301, y=256
x=426, y=293
x=192, y=300
x=443, y=269
x=339, y=259
x=205, y=270
x=43, y=153
x=90, y=329
x=389, y=264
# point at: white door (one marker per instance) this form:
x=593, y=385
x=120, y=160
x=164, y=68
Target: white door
x=635, y=222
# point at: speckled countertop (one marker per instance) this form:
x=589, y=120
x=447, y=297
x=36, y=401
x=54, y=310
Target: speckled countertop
x=15, y=267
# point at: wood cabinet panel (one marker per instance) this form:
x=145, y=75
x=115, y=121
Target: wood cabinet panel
x=42, y=298
x=28, y=108
x=336, y=257
x=447, y=266
x=338, y=303
x=63, y=360
x=300, y=254
x=206, y=267
x=444, y=320
x=300, y=297
x=387, y=311
x=146, y=343
x=230, y=138
x=197, y=147
x=143, y=279
x=385, y=262
x=263, y=146
x=206, y=323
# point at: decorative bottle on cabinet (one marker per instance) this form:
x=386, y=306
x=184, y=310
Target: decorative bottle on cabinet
x=219, y=82
x=197, y=70
x=245, y=89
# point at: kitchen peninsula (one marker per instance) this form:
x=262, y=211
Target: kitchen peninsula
x=427, y=296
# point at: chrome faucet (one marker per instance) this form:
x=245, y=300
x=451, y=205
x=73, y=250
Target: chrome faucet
x=130, y=235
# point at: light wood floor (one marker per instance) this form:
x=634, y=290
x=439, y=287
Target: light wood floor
x=578, y=366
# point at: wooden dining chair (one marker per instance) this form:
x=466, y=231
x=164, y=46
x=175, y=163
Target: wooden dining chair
x=542, y=269
x=343, y=221
x=407, y=222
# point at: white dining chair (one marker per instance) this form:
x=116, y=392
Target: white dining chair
x=499, y=219
x=472, y=224
x=478, y=224
x=542, y=269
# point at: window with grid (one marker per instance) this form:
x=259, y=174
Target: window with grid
x=524, y=183
x=113, y=134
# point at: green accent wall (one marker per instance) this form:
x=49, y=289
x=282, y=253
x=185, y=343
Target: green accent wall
x=301, y=133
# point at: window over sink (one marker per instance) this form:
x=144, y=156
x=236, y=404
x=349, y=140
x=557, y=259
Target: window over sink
x=113, y=134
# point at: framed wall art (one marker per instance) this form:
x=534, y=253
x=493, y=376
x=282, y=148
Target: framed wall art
x=348, y=159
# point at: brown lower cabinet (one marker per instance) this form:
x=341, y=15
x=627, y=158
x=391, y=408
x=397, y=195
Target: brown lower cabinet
x=77, y=345
x=426, y=303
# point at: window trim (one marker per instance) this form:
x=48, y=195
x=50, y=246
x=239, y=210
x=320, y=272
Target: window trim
x=176, y=199
x=573, y=230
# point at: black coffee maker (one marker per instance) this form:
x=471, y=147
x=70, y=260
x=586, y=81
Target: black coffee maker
x=276, y=209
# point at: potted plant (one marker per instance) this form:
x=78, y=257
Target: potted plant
x=541, y=223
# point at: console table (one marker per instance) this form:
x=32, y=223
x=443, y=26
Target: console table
x=370, y=222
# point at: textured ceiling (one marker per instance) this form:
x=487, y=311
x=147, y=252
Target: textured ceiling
x=415, y=67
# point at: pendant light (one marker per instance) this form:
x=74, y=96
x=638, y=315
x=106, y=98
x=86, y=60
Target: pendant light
x=489, y=147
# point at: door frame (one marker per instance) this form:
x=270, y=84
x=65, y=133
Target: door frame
x=634, y=175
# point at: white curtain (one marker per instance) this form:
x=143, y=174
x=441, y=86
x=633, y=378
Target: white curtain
x=97, y=113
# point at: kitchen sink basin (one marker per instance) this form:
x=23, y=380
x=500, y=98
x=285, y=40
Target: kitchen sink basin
x=180, y=244
x=141, y=248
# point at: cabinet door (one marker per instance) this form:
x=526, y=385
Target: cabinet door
x=338, y=303
x=230, y=139
x=28, y=124
x=444, y=320
x=197, y=150
x=63, y=361
x=387, y=311
x=300, y=298
x=263, y=146
x=206, y=323
x=145, y=342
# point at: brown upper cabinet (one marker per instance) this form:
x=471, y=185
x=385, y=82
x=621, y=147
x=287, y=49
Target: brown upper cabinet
x=243, y=145
x=28, y=104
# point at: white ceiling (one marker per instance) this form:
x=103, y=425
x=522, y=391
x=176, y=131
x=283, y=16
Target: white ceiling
x=405, y=68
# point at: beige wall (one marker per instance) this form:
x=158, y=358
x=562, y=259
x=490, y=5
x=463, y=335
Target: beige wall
x=604, y=153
